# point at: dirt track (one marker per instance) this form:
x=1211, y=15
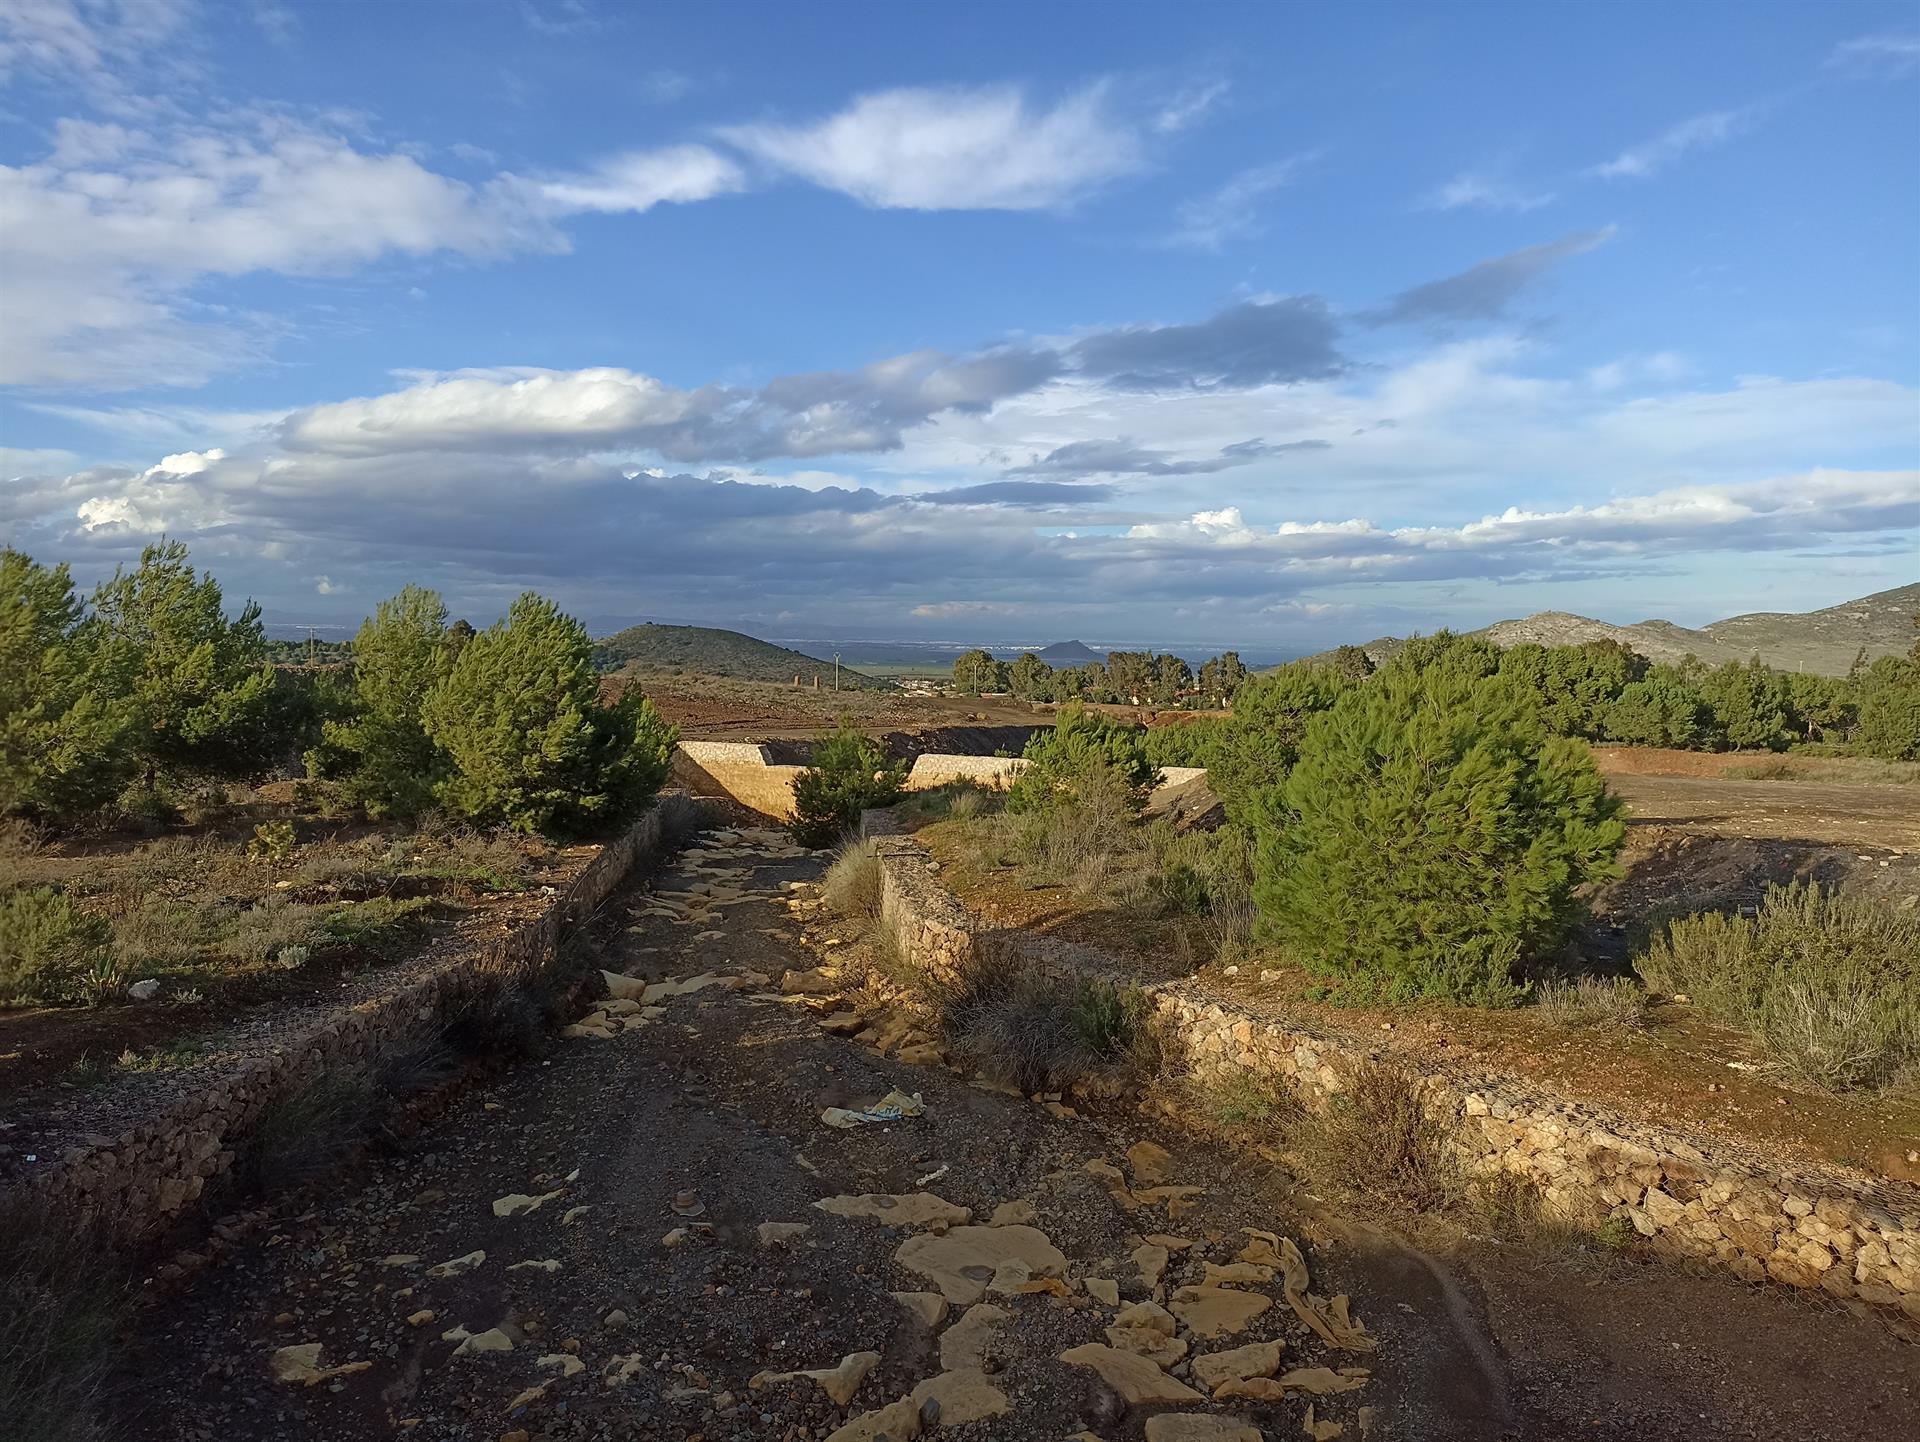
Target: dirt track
x=706, y=1123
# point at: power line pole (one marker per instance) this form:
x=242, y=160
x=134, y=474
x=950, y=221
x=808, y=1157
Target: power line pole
x=836, y=670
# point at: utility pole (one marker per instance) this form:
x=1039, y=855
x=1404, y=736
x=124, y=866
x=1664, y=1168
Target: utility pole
x=836, y=670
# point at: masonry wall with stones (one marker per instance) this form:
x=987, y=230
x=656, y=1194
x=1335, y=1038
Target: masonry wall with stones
x=937, y=768
x=139, y=1170
x=1694, y=1197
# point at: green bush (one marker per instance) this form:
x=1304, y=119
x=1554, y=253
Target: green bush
x=1082, y=744
x=49, y=948
x=272, y=842
x=63, y=727
x=1431, y=837
x=1828, y=983
x=1890, y=709
x=1248, y=756
x=848, y=774
x=532, y=746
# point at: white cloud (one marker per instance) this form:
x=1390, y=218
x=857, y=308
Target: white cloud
x=1189, y=107
x=639, y=180
x=1476, y=190
x=1890, y=54
x=955, y=149
x=1701, y=132
x=1232, y=211
x=323, y=585
x=82, y=38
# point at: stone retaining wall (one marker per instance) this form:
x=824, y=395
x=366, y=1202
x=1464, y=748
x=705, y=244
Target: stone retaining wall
x=936, y=768
x=1691, y=1197
x=141, y=1178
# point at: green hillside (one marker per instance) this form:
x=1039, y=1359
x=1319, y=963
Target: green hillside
x=708, y=651
x=1824, y=641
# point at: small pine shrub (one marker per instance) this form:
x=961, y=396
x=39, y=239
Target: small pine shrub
x=49, y=947
x=1827, y=982
x=848, y=774
x=272, y=842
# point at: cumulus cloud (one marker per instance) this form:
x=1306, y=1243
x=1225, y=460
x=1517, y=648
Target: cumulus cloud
x=83, y=38
x=990, y=148
x=1700, y=132
x=1486, y=290
x=639, y=180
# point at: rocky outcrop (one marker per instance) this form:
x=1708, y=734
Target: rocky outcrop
x=1765, y=1219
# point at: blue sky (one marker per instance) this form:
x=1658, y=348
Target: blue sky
x=1270, y=324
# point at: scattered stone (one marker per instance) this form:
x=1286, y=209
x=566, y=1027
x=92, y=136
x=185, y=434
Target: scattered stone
x=1318, y=1430
x=1217, y=1311
x=1014, y=1214
x=301, y=1365
x=1103, y=1290
x=1235, y=1273
x=839, y=1382
x=399, y=1259
x=1152, y=1262
x=895, y=1422
x=1137, y=1379
x=421, y=1318
x=1149, y=1162
x=565, y=1362
x=778, y=1234
x=572, y=1214
x=912, y=1209
x=688, y=1203
x=1171, y=1243
x=547, y=1265
x=491, y=1340
x=457, y=1266
x=960, y=1397
x=963, y=1346
x=525, y=1399
x=967, y=1260
x=519, y=1204
x=615, y=1319
x=928, y=1308
x=144, y=990
x=1258, y=1359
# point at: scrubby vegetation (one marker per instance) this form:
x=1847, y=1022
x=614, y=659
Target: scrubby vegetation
x=848, y=774
x=1827, y=983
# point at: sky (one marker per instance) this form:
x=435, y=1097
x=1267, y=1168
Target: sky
x=1260, y=324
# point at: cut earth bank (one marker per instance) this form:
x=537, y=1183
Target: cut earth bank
x=653, y=1234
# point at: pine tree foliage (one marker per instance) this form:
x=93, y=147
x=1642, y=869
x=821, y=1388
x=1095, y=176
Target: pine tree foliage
x=199, y=686
x=1431, y=837
x=532, y=747
x=380, y=751
x=62, y=725
x=1081, y=743
x=847, y=774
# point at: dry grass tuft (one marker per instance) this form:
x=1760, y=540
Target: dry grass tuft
x=1617, y=1001
x=1382, y=1138
x=65, y=1299
x=852, y=883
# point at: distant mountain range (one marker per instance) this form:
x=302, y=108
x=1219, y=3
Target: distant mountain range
x=709, y=651
x=1824, y=641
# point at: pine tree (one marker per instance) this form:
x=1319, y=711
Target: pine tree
x=380, y=752
x=1431, y=837
x=63, y=725
x=975, y=672
x=201, y=691
x=846, y=774
x=1081, y=743
x=532, y=746
x=1260, y=742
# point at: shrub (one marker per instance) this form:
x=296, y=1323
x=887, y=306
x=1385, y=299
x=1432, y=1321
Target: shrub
x=848, y=775
x=1081, y=746
x=1593, y=1000
x=852, y=883
x=1032, y=1034
x=532, y=746
x=383, y=926
x=1382, y=1137
x=272, y=842
x=1430, y=838
x=1254, y=749
x=1077, y=834
x=1890, y=709
x=49, y=947
x=1827, y=982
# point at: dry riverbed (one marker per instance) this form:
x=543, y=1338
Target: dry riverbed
x=653, y=1234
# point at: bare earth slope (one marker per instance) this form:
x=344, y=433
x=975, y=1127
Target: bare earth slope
x=1824, y=641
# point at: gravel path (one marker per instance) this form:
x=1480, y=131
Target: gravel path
x=630, y=1289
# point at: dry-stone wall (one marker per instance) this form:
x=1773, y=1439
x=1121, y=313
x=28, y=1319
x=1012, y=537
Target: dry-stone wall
x=143, y=1167
x=1691, y=1197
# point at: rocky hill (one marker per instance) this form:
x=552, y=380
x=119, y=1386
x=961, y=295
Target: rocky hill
x=709, y=651
x=1069, y=653
x=1824, y=641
